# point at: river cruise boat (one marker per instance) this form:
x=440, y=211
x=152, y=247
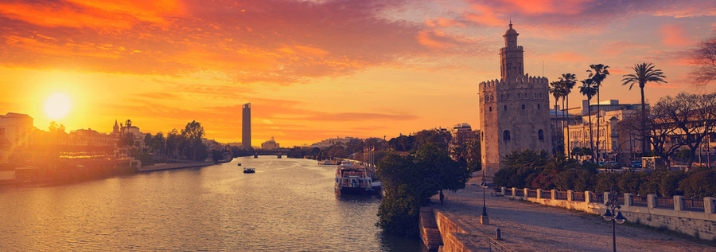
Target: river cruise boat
x=249, y=170
x=352, y=178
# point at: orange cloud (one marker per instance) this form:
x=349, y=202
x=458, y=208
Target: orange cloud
x=674, y=35
x=115, y=15
x=443, y=22
x=539, y=7
x=485, y=16
x=615, y=48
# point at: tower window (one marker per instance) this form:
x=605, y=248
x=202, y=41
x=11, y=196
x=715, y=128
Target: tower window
x=505, y=107
x=490, y=109
x=523, y=106
x=506, y=135
x=538, y=107
x=540, y=135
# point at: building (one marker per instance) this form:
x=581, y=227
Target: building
x=461, y=133
x=246, y=126
x=91, y=138
x=16, y=133
x=615, y=143
x=514, y=110
x=333, y=141
x=270, y=145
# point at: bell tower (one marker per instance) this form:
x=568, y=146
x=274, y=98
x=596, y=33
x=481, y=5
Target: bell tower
x=511, y=56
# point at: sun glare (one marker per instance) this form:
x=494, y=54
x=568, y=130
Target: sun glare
x=57, y=106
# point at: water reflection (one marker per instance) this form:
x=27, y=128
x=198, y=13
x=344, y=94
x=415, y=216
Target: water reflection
x=287, y=205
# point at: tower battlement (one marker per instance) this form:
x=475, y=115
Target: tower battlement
x=518, y=81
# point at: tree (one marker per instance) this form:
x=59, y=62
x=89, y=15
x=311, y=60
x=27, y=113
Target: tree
x=598, y=76
x=569, y=80
x=643, y=73
x=699, y=184
x=692, y=116
x=193, y=148
x=148, y=140
x=587, y=89
x=557, y=91
x=174, y=139
x=704, y=59
x=410, y=181
x=158, y=143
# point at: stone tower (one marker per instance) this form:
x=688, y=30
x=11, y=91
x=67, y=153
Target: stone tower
x=246, y=126
x=514, y=110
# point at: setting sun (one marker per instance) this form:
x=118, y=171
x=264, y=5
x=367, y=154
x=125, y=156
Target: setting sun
x=57, y=106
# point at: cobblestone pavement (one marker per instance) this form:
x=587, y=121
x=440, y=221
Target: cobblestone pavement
x=533, y=227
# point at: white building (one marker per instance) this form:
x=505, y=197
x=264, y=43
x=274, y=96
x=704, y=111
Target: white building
x=613, y=143
x=15, y=133
x=270, y=145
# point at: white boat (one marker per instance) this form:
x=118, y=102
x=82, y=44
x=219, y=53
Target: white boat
x=353, y=179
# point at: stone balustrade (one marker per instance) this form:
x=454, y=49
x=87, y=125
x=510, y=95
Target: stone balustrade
x=696, y=217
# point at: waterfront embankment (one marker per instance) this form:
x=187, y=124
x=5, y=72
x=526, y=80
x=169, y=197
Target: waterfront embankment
x=527, y=226
x=172, y=166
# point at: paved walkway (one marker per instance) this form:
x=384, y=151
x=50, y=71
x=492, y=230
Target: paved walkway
x=532, y=227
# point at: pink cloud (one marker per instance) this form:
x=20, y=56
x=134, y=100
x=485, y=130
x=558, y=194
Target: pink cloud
x=567, y=56
x=674, y=35
x=556, y=18
x=615, y=48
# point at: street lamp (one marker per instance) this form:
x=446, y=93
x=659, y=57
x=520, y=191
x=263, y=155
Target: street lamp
x=483, y=218
x=613, y=214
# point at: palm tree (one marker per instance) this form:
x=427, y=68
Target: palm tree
x=600, y=73
x=568, y=81
x=643, y=73
x=588, y=89
x=557, y=91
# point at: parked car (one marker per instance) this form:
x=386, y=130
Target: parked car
x=636, y=164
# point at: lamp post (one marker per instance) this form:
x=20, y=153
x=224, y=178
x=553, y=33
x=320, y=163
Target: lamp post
x=613, y=214
x=483, y=218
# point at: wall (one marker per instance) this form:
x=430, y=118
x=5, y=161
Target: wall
x=698, y=224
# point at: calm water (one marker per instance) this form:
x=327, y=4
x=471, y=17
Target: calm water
x=287, y=205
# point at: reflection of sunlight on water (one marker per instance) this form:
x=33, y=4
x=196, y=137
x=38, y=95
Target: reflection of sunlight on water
x=287, y=205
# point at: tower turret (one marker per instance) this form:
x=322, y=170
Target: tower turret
x=511, y=56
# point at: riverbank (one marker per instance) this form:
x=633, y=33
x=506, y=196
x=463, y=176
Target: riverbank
x=527, y=226
x=172, y=166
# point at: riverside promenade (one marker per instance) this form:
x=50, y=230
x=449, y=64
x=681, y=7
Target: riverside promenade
x=528, y=226
x=172, y=166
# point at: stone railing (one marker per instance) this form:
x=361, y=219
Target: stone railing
x=696, y=217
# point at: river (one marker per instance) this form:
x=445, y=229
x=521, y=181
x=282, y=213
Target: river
x=287, y=205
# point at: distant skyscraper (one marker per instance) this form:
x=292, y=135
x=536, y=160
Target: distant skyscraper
x=246, y=126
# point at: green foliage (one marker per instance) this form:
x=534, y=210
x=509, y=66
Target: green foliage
x=410, y=181
x=399, y=214
x=699, y=183
x=683, y=154
x=527, y=169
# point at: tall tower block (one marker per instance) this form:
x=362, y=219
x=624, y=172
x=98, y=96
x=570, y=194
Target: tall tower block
x=246, y=126
x=514, y=110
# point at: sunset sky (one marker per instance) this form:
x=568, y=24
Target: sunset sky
x=319, y=69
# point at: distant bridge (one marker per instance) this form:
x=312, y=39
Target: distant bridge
x=284, y=153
